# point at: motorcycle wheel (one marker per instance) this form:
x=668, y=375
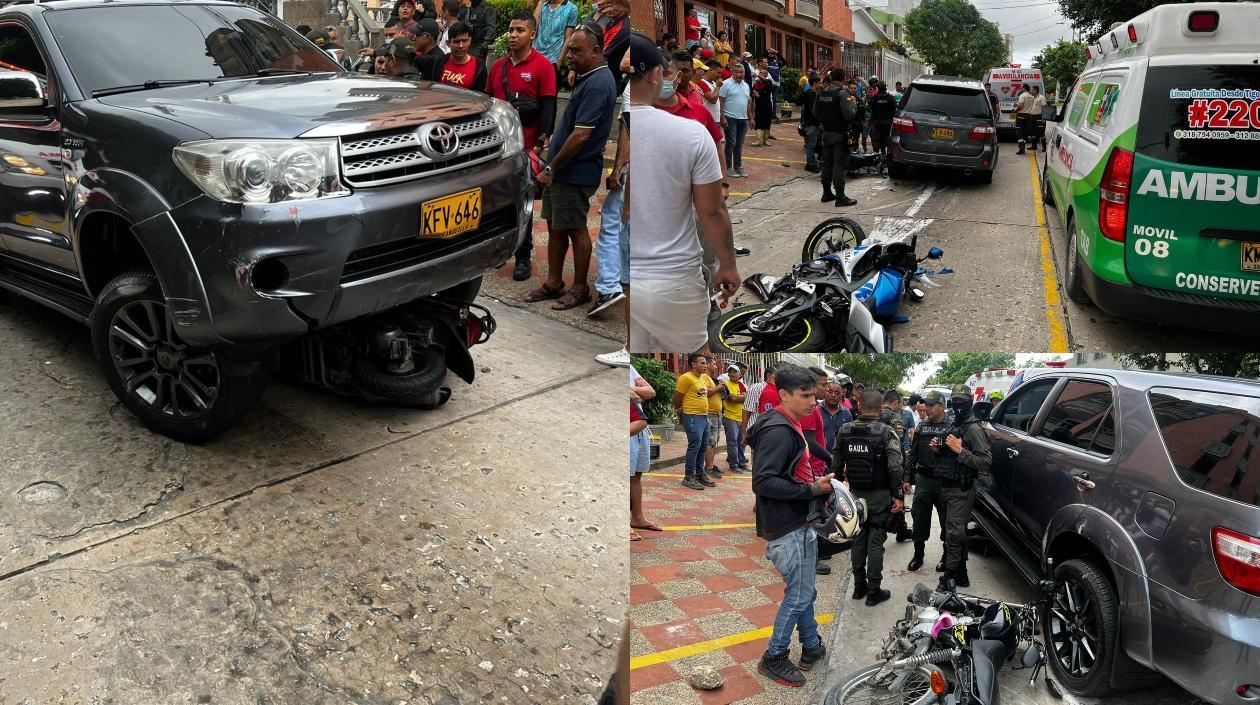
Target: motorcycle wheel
x=854, y=689
x=417, y=387
x=832, y=235
x=730, y=333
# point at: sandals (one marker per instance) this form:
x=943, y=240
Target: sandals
x=650, y=526
x=634, y=536
x=544, y=293
x=572, y=300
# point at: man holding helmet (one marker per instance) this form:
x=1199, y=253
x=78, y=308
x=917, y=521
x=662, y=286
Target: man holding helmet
x=868, y=456
x=785, y=486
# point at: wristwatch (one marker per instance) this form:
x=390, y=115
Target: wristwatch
x=547, y=170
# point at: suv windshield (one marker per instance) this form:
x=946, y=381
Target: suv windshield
x=955, y=102
x=110, y=47
x=1202, y=116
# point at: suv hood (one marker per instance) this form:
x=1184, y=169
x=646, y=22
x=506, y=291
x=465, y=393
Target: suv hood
x=284, y=107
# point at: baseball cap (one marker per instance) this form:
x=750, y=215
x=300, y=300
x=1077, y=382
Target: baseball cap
x=706, y=53
x=747, y=55
x=428, y=27
x=934, y=397
x=732, y=366
x=400, y=48
x=699, y=65
x=644, y=55
x=319, y=37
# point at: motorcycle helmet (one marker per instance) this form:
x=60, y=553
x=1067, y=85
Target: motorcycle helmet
x=960, y=404
x=840, y=517
x=998, y=624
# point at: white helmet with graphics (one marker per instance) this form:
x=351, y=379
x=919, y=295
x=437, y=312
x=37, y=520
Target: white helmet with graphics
x=838, y=518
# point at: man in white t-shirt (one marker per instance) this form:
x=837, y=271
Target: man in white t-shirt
x=673, y=172
x=709, y=86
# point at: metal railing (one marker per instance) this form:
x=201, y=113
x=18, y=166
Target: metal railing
x=808, y=9
x=366, y=26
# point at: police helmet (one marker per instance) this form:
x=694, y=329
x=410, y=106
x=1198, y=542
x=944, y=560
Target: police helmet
x=841, y=517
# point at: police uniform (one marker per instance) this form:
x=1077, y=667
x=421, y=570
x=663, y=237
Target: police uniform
x=897, y=527
x=957, y=475
x=921, y=465
x=834, y=111
x=868, y=455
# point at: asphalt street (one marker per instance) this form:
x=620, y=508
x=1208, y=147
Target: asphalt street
x=1005, y=292
x=323, y=551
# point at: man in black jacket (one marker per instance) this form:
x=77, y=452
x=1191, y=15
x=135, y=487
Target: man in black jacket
x=809, y=122
x=836, y=110
x=785, y=487
x=883, y=109
x=483, y=18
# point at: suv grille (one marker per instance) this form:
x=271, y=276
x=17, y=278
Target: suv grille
x=399, y=254
x=390, y=156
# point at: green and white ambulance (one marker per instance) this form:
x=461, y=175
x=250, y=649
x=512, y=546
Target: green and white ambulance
x=1154, y=168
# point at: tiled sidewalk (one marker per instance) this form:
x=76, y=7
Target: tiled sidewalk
x=771, y=166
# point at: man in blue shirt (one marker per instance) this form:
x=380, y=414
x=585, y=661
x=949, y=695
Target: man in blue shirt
x=834, y=415
x=556, y=22
x=574, y=168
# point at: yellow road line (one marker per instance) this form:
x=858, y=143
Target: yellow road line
x=1054, y=307
x=739, y=194
x=767, y=159
x=704, y=647
x=702, y=527
x=670, y=474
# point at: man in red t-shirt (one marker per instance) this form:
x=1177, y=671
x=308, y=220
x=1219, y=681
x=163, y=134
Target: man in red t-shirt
x=530, y=75
x=461, y=68
x=693, y=28
x=814, y=431
x=678, y=74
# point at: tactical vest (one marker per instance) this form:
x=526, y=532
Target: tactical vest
x=830, y=114
x=925, y=461
x=865, y=456
x=948, y=471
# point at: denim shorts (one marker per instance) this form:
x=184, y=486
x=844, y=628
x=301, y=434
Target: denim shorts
x=640, y=452
x=715, y=428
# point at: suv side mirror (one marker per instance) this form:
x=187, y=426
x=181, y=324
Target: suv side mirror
x=21, y=89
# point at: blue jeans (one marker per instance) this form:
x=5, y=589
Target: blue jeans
x=697, y=428
x=811, y=143
x=734, y=443
x=608, y=272
x=795, y=556
x=735, y=131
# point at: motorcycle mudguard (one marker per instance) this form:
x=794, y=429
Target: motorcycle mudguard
x=887, y=294
x=987, y=658
x=862, y=325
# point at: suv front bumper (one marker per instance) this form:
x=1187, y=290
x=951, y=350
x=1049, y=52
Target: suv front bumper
x=343, y=258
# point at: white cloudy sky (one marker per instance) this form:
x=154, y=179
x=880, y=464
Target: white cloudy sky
x=1035, y=23
x=918, y=376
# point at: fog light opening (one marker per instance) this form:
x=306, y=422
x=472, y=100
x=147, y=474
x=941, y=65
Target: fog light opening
x=268, y=276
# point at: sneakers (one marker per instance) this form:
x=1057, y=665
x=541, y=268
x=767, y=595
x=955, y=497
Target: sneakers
x=842, y=201
x=604, y=302
x=741, y=173
x=742, y=251
x=822, y=569
x=620, y=358
x=715, y=471
x=692, y=484
x=704, y=479
x=522, y=270
x=780, y=670
x=810, y=657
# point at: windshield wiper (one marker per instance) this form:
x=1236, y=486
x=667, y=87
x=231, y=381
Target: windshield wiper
x=146, y=86
x=282, y=72
x=934, y=110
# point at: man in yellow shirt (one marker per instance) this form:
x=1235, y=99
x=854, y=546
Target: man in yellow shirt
x=733, y=416
x=715, y=419
x=691, y=403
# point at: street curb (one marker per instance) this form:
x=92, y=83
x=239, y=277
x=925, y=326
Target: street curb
x=837, y=635
x=663, y=463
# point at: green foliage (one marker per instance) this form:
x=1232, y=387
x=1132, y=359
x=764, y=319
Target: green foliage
x=661, y=409
x=505, y=10
x=789, y=84
x=1061, y=63
x=959, y=366
x=1093, y=17
x=1224, y=364
x=952, y=36
x=880, y=370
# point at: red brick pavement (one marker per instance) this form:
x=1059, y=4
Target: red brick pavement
x=771, y=166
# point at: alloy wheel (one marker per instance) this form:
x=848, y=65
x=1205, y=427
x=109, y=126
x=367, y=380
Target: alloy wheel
x=157, y=368
x=1075, y=630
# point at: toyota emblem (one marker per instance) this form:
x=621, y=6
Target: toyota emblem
x=944, y=119
x=438, y=140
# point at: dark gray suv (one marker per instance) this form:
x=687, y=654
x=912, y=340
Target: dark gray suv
x=216, y=197
x=944, y=122
x=1140, y=491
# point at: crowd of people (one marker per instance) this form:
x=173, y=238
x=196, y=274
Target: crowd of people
x=796, y=431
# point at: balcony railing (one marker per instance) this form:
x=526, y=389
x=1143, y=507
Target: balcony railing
x=808, y=9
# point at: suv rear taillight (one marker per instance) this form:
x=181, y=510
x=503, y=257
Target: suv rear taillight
x=1238, y=559
x=981, y=132
x=904, y=124
x=1203, y=21
x=1113, y=200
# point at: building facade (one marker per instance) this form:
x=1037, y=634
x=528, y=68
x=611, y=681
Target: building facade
x=806, y=33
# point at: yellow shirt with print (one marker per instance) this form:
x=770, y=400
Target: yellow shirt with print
x=695, y=390
x=734, y=409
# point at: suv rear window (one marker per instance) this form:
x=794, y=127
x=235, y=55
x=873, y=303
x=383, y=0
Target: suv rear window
x=1202, y=115
x=1212, y=440
x=1080, y=414
x=953, y=101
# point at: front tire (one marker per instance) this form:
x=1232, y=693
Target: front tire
x=1047, y=196
x=832, y=235
x=1074, y=278
x=174, y=389
x=730, y=333
x=854, y=689
x=1082, y=628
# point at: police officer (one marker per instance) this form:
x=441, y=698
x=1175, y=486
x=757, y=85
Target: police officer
x=883, y=108
x=835, y=109
x=964, y=454
x=892, y=415
x=868, y=455
x=921, y=466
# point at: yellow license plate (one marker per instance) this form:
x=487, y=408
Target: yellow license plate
x=942, y=133
x=452, y=215
x=1251, y=256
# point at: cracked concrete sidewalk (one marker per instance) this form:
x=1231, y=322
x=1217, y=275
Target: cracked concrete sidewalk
x=323, y=552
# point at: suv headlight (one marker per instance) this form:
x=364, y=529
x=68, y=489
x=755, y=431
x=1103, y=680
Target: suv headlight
x=509, y=126
x=262, y=171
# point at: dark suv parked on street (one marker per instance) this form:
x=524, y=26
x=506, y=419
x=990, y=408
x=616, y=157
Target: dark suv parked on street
x=214, y=195
x=1140, y=491
x=944, y=122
